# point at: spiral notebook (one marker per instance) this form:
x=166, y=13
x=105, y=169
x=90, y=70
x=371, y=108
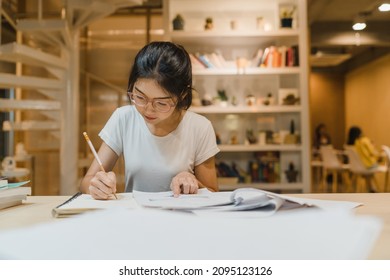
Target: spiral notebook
x=80, y=203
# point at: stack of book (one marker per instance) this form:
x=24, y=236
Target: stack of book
x=12, y=194
x=274, y=56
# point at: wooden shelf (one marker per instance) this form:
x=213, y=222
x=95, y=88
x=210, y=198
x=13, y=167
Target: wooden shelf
x=258, y=148
x=246, y=109
x=251, y=38
x=247, y=71
x=263, y=186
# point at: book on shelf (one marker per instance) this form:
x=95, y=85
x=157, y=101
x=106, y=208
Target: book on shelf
x=12, y=194
x=196, y=63
x=266, y=167
x=207, y=60
x=276, y=56
x=256, y=60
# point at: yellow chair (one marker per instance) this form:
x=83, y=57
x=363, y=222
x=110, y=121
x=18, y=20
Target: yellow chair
x=386, y=150
x=358, y=170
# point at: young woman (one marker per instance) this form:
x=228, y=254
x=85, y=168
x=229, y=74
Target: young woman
x=321, y=136
x=165, y=147
x=364, y=147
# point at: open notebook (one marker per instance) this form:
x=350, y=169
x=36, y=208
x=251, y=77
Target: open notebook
x=80, y=203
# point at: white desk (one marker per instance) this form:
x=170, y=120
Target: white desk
x=37, y=209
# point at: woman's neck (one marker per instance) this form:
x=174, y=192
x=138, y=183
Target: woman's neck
x=168, y=125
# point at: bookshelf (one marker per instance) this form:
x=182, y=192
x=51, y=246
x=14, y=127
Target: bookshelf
x=257, y=120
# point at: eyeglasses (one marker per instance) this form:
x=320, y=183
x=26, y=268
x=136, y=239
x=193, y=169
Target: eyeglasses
x=159, y=104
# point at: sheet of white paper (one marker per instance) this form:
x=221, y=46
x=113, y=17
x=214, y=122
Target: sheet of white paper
x=165, y=200
x=156, y=234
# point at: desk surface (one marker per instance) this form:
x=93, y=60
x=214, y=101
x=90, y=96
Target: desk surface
x=37, y=209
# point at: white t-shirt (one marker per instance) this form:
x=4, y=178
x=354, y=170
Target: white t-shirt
x=152, y=161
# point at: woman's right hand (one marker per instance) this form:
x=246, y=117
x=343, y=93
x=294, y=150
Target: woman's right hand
x=103, y=185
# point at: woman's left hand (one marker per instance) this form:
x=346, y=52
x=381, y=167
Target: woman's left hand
x=185, y=183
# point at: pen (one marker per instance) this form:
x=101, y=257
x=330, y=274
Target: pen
x=95, y=154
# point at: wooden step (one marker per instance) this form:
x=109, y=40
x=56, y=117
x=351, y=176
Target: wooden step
x=13, y=81
x=56, y=134
x=30, y=125
x=12, y=104
x=14, y=52
x=83, y=12
x=52, y=115
x=53, y=31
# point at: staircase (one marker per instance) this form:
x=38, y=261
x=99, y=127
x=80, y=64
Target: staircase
x=59, y=87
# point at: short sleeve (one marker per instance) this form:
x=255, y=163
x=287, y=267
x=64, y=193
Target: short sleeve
x=207, y=144
x=112, y=133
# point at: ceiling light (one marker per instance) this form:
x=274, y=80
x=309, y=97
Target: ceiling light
x=359, y=25
x=385, y=7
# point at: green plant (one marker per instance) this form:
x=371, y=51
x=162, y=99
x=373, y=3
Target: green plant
x=287, y=12
x=222, y=95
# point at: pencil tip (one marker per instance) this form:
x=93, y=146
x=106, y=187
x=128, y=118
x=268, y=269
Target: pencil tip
x=85, y=136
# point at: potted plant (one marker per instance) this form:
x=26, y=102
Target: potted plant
x=222, y=98
x=286, y=17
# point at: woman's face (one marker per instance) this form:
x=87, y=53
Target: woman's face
x=152, y=102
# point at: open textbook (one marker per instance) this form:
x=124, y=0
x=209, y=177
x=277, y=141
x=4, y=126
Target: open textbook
x=249, y=200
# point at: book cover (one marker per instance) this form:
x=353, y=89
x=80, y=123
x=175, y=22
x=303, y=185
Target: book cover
x=11, y=196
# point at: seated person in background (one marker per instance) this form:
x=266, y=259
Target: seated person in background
x=364, y=147
x=321, y=136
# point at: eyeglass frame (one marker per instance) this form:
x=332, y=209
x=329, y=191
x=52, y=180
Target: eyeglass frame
x=150, y=100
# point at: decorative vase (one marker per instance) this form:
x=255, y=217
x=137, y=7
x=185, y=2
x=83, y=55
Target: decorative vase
x=178, y=23
x=286, y=22
x=291, y=175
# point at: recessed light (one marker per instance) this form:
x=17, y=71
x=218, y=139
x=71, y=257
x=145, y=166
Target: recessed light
x=359, y=26
x=385, y=7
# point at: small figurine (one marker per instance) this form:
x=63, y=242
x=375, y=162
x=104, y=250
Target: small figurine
x=209, y=24
x=233, y=138
x=269, y=100
x=234, y=101
x=218, y=139
x=291, y=173
x=250, y=136
x=250, y=100
x=207, y=100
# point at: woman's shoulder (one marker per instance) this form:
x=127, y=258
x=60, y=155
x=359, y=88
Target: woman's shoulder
x=126, y=109
x=124, y=112
x=365, y=139
x=196, y=118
